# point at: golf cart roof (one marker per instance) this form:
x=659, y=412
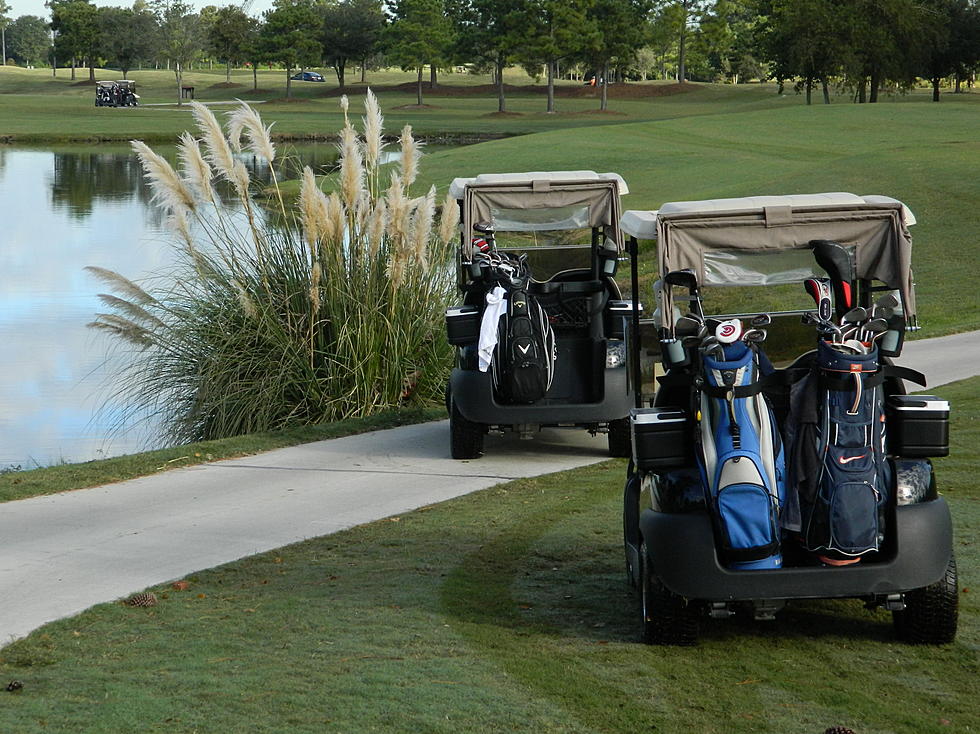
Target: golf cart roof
x=718, y=239
x=542, y=201
x=458, y=186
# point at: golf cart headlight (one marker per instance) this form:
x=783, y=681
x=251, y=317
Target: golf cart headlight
x=615, y=354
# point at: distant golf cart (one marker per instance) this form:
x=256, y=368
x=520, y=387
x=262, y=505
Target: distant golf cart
x=843, y=501
x=541, y=333
x=120, y=93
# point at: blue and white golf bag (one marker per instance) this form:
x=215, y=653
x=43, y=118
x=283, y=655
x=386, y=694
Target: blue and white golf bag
x=741, y=460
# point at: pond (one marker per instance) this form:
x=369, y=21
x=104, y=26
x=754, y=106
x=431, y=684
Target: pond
x=61, y=210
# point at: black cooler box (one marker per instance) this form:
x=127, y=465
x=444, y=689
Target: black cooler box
x=462, y=325
x=918, y=426
x=661, y=438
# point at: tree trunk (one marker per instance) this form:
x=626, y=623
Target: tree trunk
x=935, y=89
x=91, y=71
x=681, y=58
x=863, y=91
x=826, y=91
x=418, y=88
x=501, y=100
x=433, y=76
x=874, y=84
x=364, y=71
x=228, y=73
x=177, y=74
x=255, y=76
x=289, y=82
x=3, y=35
x=340, y=67
x=551, y=86
x=809, y=90
x=73, y=69
x=603, y=96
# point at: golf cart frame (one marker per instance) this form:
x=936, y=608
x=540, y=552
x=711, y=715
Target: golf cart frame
x=573, y=280
x=670, y=544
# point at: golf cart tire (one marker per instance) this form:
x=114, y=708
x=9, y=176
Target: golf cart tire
x=668, y=619
x=620, y=441
x=931, y=612
x=466, y=437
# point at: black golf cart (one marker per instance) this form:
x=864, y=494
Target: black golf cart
x=677, y=552
x=121, y=93
x=548, y=243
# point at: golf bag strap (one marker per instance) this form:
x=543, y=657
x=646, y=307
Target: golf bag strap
x=846, y=382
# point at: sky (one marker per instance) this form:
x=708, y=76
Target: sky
x=36, y=7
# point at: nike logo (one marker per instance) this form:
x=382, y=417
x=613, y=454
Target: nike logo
x=524, y=350
x=849, y=459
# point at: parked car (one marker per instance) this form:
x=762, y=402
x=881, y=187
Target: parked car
x=308, y=76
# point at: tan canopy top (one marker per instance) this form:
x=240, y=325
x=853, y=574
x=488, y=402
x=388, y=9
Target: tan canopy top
x=484, y=197
x=876, y=227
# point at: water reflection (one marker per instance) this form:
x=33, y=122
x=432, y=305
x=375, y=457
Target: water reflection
x=62, y=210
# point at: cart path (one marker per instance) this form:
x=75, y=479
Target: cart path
x=60, y=554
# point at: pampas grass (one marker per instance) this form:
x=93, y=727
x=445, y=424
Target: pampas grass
x=320, y=311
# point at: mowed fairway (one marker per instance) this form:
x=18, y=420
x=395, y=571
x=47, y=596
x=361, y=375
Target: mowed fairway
x=502, y=611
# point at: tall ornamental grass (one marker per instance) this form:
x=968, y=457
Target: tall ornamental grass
x=279, y=315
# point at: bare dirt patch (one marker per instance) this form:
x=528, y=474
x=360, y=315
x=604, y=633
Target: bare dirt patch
x=226, y=85
x=503, y=114
x=625, y=90
x=415, y=107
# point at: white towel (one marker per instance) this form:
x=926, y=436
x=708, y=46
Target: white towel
x=496, y=305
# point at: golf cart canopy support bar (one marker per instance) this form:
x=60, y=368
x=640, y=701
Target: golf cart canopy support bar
x=876, y=227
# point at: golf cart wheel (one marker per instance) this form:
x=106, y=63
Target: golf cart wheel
x=930, y=613
x=620, y=443
x=668, y=619
x=466, y=437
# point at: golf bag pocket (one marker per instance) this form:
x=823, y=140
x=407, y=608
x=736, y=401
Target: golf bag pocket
x=747, y=526
x=524, y=365
x=846, y=519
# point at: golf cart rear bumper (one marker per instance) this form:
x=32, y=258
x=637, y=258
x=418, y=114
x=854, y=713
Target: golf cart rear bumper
x=472, y=391
x=682, y=554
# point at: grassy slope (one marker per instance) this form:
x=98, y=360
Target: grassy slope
x=505, y=610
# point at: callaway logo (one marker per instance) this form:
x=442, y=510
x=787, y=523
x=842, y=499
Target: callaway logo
x=849, y=459
x=519, y=304
x=524, y=350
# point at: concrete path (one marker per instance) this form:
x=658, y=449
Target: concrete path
x=61, y=554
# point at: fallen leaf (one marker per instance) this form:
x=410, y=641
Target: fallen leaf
x=179, y=585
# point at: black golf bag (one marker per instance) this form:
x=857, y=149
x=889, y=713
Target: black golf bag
x=838, y=461
x=524, y=362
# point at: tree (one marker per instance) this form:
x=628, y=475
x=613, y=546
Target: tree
x=556, y=29
x=618, y=29
x=351, y=32
x=420, y=34
x=181, y=39
x=128, y=36
x=29, y=39
x=802, y=39
x=4, y=22
x=76, y=24
x=228, y=36
x=682, y=14
x=953, y=46
x=291, y=36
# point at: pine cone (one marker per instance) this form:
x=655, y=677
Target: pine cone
x=147, y=599
x=839, y=730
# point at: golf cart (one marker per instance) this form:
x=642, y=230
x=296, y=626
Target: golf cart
x=751, y=484
x=541, y=330
x=120, y=93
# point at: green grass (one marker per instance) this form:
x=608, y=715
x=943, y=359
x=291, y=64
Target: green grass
x=505, y=610
x=64, y=477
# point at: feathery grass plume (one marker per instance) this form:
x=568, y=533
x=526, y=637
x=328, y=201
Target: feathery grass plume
x=410, y=157
x=259, y=136
x=169, y=190
x=373, y=127
x=344, y=105
x=351, y=166
x=219, y=153
x=245, y=301
x=336, y=217
x=235, y=127
x=133, y=311
x=449, y=220
x=196, y=170
x=122, y=285
x=422, y=228
x=313, y=208
x=123, y=328
x=316, y=275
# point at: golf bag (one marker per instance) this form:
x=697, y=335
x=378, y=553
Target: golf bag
x=524, y=363
x=740, y=456
x=838, y=461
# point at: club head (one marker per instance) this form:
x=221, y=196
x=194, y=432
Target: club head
x=875, y=326
x=688, y=325
x=755, y=336
x=484, y=228
x=683, y=278
x=763, y=319
x=888, y=301
x=855, y=315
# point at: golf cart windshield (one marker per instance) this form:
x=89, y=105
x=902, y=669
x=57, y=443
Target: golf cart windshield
x=765, y=240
